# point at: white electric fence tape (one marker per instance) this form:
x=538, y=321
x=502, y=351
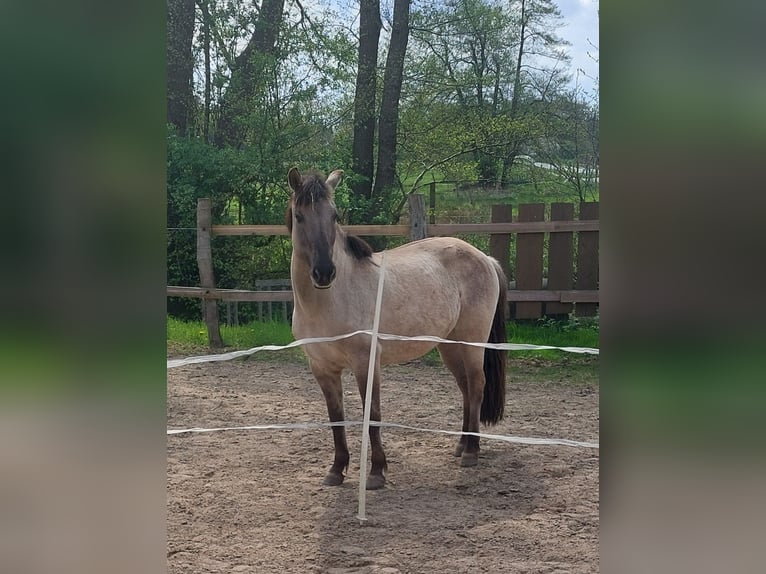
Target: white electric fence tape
x=374, y=336
x=310, y=426
x=368, y=393
x=173, y=363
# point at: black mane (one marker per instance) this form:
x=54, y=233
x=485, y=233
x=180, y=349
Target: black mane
x=358, y=247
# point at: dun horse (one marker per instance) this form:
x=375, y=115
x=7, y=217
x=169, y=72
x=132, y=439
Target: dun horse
x=438, y=286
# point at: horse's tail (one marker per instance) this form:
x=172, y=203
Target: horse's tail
x=493, y=402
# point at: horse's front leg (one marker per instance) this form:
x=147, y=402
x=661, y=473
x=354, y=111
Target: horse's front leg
x=376, y=478
x=330, y=383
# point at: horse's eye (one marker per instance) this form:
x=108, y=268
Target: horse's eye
x=298, y=217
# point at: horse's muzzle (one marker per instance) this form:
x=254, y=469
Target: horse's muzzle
x=322, y=277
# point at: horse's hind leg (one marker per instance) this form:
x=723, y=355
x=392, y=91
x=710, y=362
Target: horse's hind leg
x=376, y=479
x=330, y=383
x=467, y=365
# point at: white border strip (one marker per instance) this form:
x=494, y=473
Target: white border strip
x=309, y=426
x=173, y=363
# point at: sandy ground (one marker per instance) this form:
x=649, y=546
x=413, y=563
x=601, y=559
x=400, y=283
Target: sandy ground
x=252, y=501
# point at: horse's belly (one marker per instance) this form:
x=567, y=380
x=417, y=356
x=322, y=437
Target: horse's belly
x=394, y=352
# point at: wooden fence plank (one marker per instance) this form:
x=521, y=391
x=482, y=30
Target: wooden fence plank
x=560, y=258
x=392, y=230
x=529, y=261
x=433, y=230
x=229, y=294
x=587, y=260
x=516, y=227
x=571, y=296
x=205, y=265
x=500, y=243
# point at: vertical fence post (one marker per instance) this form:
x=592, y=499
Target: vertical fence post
x=560, y=259
x=500, y=243
x=417, y=205
x=205, y=265
x=587, y=260
x=529, y=261
x=432, y=203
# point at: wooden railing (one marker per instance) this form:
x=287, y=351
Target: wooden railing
x=568, y=283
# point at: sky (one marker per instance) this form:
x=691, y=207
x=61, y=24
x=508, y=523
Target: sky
x=580, y=28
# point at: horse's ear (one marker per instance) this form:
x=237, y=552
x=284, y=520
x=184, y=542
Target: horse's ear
x=294, y=179
x=334, y=179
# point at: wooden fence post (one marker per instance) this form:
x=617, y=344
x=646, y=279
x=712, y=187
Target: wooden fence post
x=432, y=203
x=417, y=204
x=587, y=260
x=205, y=265
x=560, y=259
x=500, y=243
x=529, y=261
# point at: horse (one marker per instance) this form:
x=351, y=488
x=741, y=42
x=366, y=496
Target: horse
x=438, y=286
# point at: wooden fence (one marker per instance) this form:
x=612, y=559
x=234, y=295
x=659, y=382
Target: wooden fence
x=569, y=282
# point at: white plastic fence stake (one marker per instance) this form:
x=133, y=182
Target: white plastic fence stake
x=368, y=394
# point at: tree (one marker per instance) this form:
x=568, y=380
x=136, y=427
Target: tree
x=570, y=142
x=364, y=102
x=538, y=20
x=180, y=63
x=389, y=107
x=470, y=102
x=463, y=66
x=247, y=72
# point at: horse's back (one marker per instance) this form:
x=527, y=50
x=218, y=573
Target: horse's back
x=451, y=264
x=438, y=286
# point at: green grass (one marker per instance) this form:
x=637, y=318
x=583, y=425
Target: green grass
x=187, y=338
x=570, y=333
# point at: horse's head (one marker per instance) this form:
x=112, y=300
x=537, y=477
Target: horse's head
x=312, y=221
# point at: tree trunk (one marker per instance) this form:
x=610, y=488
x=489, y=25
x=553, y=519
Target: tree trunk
x=206, y=48
x=364, y=100
x=180, y=32
x=246, y=74
x=389, y=108
x=512, y=151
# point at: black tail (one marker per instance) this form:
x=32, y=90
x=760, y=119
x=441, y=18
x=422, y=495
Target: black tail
x=493, y=402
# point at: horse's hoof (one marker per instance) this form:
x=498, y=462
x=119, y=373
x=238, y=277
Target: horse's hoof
x=333, y=479
x=459, y=449
x=376, y=482
x=469, y=459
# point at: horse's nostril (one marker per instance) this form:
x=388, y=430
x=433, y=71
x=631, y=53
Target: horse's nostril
x=323, y=276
